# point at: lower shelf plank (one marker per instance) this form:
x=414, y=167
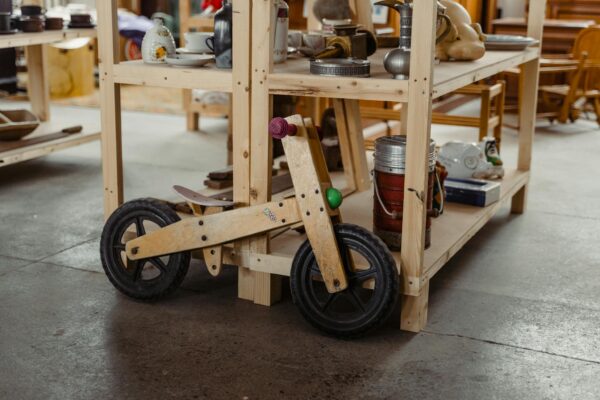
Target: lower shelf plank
x=41, y=149
x=450, y=232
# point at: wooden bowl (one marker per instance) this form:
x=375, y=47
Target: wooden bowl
x=16, y=124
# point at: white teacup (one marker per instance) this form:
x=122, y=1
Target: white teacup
x=197, y=42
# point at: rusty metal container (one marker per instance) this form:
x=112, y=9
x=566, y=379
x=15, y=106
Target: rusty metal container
x=390, y=164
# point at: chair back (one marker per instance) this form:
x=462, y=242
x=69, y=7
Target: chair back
x=588, y=42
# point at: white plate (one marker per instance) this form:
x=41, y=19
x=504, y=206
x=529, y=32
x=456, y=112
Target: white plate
x=508, y=42
x=183, y=50
x=189, y=60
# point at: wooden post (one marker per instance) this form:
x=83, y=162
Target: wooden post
x=486, y=112
x=110, y=95
x=267, y=287
x=240, y=122
x=415, y=196
x=530, y=73
x=404, y=119
x=38, y=87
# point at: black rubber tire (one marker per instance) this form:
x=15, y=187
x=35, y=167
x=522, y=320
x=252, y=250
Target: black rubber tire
x=131, y=283
x=382, y=269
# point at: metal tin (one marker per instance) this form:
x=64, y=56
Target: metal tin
x=341, y=67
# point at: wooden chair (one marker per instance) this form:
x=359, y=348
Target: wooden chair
x=565, y=102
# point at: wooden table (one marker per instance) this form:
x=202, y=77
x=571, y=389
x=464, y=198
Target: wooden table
x=559, y=35
x=39, y=97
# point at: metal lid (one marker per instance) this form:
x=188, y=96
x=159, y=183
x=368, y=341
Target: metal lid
x=390, y=154
x=341, y=67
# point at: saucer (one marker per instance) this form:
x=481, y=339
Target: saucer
x=11, y=32
x=183, y=50
x=189, y=60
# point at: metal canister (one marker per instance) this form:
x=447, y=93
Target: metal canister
x=390, y=167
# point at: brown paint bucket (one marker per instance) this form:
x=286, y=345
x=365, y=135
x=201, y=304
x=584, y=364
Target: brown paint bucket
x=389, y=174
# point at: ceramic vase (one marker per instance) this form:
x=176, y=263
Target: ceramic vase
x=158, y=43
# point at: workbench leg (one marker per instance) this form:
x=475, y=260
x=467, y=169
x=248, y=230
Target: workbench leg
x=38, y=87
x=530, y=74
x=352, y=144
x=485, y=113
x=414, y=311
x=110, y=104
x=267, y=287
x=192, y=118
x=414, y=315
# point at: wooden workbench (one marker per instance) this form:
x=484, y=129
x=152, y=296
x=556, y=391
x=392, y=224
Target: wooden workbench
x=39, y=93
x=253, y=82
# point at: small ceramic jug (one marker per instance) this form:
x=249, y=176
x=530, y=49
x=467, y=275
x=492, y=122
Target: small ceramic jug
x=158, y=43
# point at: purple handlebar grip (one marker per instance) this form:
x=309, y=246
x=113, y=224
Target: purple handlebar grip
x=280, y=128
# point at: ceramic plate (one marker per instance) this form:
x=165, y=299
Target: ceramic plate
x=189, y=60
x=183, y=50
x=508, y=42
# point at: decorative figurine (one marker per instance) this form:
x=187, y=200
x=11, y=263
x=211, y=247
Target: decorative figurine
x=281, y=22
x=466, y=39
x=158, y=43
x=223, y=38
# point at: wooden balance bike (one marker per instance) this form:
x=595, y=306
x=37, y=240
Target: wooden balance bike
x=343, y=279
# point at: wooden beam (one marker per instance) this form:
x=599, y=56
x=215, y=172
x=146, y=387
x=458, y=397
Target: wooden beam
x=110, y=105
x=38, y=88
x=417, y=169
x=267, y=287
x=528, y=96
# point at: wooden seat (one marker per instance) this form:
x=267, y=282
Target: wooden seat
x=201, y=200
x=566, y=102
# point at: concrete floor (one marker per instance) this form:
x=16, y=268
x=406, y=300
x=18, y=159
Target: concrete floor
x=515, y=315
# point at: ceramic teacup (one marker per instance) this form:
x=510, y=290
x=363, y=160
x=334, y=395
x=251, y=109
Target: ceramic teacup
x=199, y=42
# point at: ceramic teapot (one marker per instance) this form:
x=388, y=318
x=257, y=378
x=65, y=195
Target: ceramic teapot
x=158, y=43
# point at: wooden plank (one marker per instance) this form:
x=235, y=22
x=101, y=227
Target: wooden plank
x=22, y=143
x=163, y=75
x=528, y=96
x=38, y=88
x=450, y=232
x=313, y=206
x=341, y=120
x=23, y=39
x=417, y=151
x=362, y=177
x=267, y=289
x=44, y=148
x=216, y=229
x=294, y=78
x=241, y=103
x=110, y=106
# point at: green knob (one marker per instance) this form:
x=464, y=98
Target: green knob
x=334, y=198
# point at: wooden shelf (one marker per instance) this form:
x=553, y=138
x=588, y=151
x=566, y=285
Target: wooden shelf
x=450, y=232
x=25, y=153
x=163, y=75
x=31, y=39
x=294, y=77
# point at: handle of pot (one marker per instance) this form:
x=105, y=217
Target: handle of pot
x=448, y=29
x=210, y=42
